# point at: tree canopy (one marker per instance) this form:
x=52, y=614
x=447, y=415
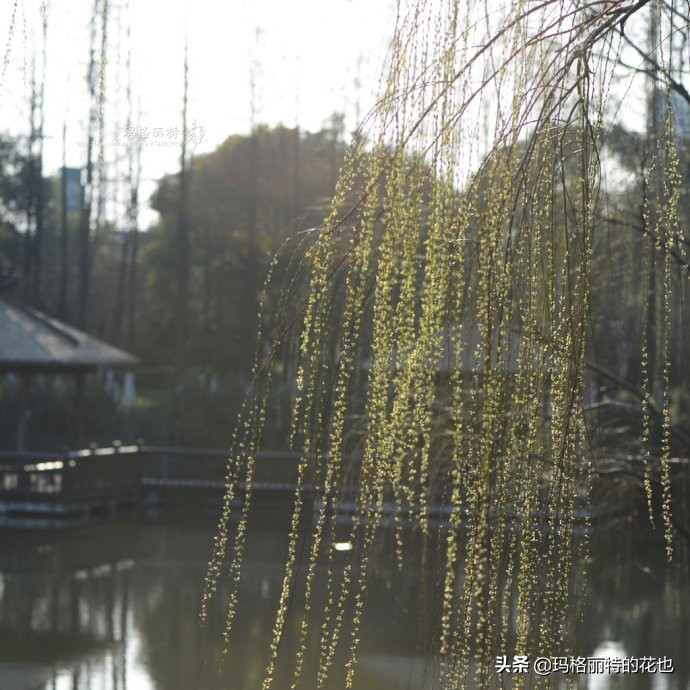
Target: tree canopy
x=246, y=199
x=478, y=238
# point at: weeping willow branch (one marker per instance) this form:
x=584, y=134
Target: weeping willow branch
x=649, y=403
x=654, y=68
x=436, y=332
x=659, y=242
x=626, y=470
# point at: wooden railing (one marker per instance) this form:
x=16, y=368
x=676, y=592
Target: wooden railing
x=69, y=481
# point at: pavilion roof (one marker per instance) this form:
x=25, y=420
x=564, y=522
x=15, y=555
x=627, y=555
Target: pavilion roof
x=32, y=341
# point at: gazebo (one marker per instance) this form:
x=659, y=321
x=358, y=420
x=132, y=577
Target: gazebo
x=33, y=343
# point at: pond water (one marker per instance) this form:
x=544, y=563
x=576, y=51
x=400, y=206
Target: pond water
x=115, y=608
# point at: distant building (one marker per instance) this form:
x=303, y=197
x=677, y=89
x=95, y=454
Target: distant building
x=680, y=117
x=74, y=190
x=680, y=114
x=34, y=343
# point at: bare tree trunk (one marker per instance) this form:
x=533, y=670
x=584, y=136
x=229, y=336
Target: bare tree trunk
x=84, y=238
x=247, y=305
x=134, y=175
x=64, y=245
x=31, y=184
x=133, y=257
x=182, y=236
x=39, y=230
x=118, y=311
x=296, y=169
x=39, y=198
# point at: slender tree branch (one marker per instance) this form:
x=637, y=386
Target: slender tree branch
x=628, y=471
x=661, y=244
x=678, y=433
x=654, y=67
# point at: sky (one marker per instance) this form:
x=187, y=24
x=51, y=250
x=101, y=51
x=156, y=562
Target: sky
x=308, y=59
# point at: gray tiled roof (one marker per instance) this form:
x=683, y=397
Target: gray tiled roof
x=32, y=340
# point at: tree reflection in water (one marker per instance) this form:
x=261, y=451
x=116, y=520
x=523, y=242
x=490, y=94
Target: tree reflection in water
x=115, y=608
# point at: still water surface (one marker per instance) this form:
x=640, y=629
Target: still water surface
x=115, y=608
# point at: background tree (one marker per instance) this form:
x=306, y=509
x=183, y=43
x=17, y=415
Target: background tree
x=227, y=234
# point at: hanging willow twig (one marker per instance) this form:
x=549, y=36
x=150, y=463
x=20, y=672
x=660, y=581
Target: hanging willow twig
x=477, y=185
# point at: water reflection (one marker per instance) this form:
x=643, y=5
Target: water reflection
x=638, y=607
x=115, y=608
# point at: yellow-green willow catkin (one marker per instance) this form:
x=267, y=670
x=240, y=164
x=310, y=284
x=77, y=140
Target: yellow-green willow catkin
x=644, y=357
x=356, y=287
x=307, y=429
x=503, y=536
x=408, y=358
x=670, y=230
x=234, y=463
x=243, y=449
x=449, y=618
x=530, y=382
x=451, y=643
x=377, y=457
x=336, y=606
x=244, y=443
x=472, y=252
